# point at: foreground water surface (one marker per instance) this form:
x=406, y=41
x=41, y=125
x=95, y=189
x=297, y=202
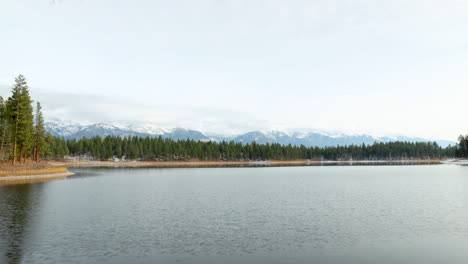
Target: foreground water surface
x=333, y=214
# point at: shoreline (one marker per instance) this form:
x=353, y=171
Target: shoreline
x=40, y=177
x=19, y=179
x=269, y=163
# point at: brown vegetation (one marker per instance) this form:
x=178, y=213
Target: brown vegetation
x=29, y=168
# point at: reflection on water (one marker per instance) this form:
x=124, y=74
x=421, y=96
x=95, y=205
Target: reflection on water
x=16, y=205
x=322, y=214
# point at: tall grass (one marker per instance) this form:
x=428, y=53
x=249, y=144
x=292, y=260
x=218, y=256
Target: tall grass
x=18, y=171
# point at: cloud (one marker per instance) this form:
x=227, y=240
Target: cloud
x=86, y=109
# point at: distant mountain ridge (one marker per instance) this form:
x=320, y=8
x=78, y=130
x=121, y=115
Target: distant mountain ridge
x=69, y=130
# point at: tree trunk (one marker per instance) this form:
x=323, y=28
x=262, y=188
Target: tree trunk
x=36, y=153
x=20, y=153
x=15, y=143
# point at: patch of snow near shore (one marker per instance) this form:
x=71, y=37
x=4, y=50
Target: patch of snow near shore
x=456, y=161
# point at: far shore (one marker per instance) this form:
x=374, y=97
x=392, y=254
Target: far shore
x=268, y=163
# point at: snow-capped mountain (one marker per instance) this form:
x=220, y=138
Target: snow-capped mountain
x=307, y=138
x=63, y=129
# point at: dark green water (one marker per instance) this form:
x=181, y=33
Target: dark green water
x=332, y=214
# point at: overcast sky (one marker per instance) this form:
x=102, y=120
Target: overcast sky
x=228, y=66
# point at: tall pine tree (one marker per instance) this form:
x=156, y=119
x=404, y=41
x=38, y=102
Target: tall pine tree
x=20, y=115
x=4, y=137
x=39, y=133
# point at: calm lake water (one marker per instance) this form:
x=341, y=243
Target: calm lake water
x=329, y=214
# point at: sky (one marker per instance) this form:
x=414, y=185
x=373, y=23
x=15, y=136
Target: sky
x=231, y=66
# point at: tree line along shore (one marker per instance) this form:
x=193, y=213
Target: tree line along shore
x=162, y=149
x=23, y=138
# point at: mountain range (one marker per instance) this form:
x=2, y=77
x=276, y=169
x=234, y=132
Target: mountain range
x=308, y=138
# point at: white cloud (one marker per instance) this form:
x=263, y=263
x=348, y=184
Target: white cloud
x=86, y=109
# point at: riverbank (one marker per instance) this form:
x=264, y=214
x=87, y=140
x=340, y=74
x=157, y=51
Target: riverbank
x=272, y=163
x=8, y=180
x=29, y=169
x=31, y=172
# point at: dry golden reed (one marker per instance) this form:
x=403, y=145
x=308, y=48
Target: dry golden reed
x=12, y=171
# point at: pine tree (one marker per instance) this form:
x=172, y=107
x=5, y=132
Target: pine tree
x=39, y=133
x=3, y=127
x=20, y=115
x=4, y=137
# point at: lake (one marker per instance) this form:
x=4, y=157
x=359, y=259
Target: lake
x=316, y=214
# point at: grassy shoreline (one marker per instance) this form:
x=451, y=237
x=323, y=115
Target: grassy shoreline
x=30, y=169
x=22, y=179
x=30, y=172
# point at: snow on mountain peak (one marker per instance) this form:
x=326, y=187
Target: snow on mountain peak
x=307, y=137
x=149, y=129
